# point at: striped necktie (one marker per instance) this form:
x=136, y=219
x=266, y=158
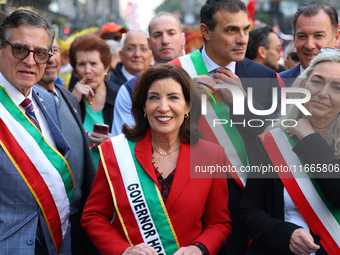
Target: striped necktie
x=216, y=70
x=28, y=106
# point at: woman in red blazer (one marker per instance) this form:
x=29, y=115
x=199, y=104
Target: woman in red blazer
x=153, y=193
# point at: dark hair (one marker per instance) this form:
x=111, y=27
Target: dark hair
x=188, y=132
x=258, y=37
x=313, y=9
x=88, y=43
x=210, y=8
x=24, y=17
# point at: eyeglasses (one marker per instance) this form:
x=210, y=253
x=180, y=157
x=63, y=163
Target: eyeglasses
x=21, y=52
x=277, y=48
x=133, y=49
x=55, y=50
x=111, y=36
x=294, y=56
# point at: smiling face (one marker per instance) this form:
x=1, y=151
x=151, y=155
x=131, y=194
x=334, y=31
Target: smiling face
x=89, y=64
x=312, y=34
x=324, y=86
x=165, y=107
x=24, y=73
x=136, y=55
x=228, y=42
x=52, y=68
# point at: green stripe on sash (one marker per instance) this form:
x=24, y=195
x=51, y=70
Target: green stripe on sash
x=52, y=155
x=335, y=211
x=197, y=60
x=221, y=111
x=156, y=205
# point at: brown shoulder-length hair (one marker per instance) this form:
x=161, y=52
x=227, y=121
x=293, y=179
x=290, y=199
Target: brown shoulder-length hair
x=189, y=132
x=88, y=43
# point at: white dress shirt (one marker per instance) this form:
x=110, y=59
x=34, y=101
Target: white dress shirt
x=18, y=97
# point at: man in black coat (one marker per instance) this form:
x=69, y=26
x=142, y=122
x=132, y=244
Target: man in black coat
x=80, y=159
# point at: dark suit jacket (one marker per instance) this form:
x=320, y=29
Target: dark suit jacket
x=290, y=75
x=262, y=206
x=108, y=107
x=89, y=168
x=19, y=210
x=196, y=206
x=262, y=79
x=116, y=78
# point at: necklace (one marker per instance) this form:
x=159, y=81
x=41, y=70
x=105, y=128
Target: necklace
x=165, y=153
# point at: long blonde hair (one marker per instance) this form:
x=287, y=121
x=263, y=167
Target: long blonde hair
x=293, y=113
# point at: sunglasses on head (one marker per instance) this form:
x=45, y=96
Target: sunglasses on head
x=328, y=49
x=294, y=56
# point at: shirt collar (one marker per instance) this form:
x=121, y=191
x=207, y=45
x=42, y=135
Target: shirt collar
x=13, y=92
x=127, y=75
x=211, y=65
x=301, y=69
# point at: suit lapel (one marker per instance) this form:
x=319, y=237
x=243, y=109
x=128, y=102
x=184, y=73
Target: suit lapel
x=60, y=140
x=143, y=153
x=182, y=175
x=241, y=69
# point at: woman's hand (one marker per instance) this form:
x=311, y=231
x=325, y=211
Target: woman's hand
x=302, y=129
x=302, y=243
x=97, y=138
x=81, y=89
x=140, y=249
x=191, y=249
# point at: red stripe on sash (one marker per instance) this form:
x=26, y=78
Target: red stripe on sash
x=176, y=62
x=35, y=183
x=279, y=79
x=116, y=179
x=298, y=197
x=209, y=135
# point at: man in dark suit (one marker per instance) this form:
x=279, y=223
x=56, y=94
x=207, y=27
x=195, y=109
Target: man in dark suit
x=225, y=29
x=315, y=26
x=36, y=183
x=80, y=159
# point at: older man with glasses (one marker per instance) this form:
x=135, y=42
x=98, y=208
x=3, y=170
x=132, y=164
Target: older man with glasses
x=36, y=182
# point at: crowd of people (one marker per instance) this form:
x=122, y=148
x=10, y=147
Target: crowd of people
x=120, y=143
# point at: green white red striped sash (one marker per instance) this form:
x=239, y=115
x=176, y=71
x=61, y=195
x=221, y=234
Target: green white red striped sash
x=44, y=170
x=226, y=135
x=140, y=208
x=321, y=216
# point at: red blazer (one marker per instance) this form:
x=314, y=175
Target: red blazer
x=196, y=206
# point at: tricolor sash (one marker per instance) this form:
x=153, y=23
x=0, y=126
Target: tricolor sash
x=227, y=136
x=44, y=170
x=321, y=216
x=140, y=208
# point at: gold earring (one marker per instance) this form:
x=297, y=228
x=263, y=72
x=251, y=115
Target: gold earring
x=186, y=116
x=145, y=115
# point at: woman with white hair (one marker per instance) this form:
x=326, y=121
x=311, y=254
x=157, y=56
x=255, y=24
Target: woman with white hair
x=294, y=207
